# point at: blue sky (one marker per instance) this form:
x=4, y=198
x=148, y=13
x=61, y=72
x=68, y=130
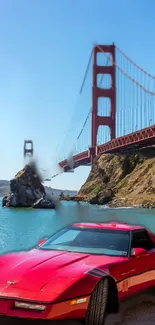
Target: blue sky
x=45, y=46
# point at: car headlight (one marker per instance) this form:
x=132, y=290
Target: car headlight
x=24, y=305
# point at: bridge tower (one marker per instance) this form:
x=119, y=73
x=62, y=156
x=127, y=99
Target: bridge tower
x=103, y=93
x=28, y=151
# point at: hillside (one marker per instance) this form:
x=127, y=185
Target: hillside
x=122, y=180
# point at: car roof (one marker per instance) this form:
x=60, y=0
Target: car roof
x=110, y=225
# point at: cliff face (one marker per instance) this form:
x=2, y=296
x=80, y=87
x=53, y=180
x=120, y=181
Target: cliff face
x=122, y=180
x=26, y=190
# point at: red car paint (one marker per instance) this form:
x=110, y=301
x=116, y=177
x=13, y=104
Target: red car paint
x=55, y=279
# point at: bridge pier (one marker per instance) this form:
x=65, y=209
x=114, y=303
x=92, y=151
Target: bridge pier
x=92, y=154
x=98, y=92
x=28, y=151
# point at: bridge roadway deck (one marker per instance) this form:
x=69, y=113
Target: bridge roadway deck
x=135, y=140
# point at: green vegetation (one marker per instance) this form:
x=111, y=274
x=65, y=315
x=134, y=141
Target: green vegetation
x=123, y=182
x=96, y=190
x=130, y=162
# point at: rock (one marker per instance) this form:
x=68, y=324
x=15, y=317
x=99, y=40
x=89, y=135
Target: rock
x=102, y=198
x=94, y=200
x=64, y=197
x=43, y=203
x=26, y=189
x=67, y=197
x=148, y=205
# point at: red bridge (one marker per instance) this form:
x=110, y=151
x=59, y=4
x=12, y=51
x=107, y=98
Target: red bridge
x=122, y=100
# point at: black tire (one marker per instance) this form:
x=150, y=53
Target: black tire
x=96, y=311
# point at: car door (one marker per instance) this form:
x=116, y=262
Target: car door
x=143, y=265
x=136, y=273
x=123, y=271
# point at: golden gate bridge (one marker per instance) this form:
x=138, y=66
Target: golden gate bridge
x=120, y=113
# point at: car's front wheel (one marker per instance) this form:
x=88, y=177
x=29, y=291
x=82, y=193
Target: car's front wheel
x=96, y=311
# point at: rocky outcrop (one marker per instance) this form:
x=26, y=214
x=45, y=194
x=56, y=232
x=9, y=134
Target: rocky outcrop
x=43, y=203
x=26, y=190
x=122, y=180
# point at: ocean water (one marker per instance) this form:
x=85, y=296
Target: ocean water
x=21, y=229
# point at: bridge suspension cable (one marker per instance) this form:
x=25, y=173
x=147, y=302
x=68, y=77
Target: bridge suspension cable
x=72, y=121
x=88, y=115
x=79, y=94
x=136, y=65
x=86, y=73
x=101, y=80
x=128, y=76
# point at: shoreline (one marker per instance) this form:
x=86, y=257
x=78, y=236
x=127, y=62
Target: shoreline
x=115, y=202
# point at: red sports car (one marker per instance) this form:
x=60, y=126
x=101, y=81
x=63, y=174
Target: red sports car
x=82, y=272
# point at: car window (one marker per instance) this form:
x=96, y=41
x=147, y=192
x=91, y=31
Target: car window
x=140, y=239
x=95, y=241
x=65, y=237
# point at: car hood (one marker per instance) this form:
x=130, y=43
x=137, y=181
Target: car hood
x=35, y=270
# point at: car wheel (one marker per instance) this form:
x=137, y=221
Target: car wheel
x=96, y=311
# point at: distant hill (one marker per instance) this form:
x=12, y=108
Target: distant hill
x=4, y=187
x=57, y=192
x=4, y=183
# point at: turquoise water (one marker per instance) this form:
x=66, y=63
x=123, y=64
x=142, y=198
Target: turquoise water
x=21, y=229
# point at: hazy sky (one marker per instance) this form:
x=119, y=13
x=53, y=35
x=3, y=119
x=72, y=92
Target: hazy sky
x=45, y=46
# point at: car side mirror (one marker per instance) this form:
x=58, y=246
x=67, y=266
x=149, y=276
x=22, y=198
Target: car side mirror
x=41, y=241
x=139, y=251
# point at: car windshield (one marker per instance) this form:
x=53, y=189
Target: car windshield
x=90, y=240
